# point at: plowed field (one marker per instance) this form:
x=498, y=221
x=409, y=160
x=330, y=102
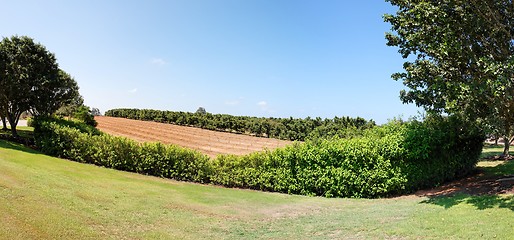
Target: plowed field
x=212, y=143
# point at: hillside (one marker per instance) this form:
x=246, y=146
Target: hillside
x=43, y=197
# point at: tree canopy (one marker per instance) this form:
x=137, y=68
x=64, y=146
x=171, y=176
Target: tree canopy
x=459, y=58
x=201, y=110
x=31, y=80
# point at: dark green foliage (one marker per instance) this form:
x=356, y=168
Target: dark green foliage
x=392, y=159
x=30, y=80
x=441, y=149
x=79, y=142
x=81, y=126
x=85, y=115
x=282, y=128
x=30, y=122
x=458, y=58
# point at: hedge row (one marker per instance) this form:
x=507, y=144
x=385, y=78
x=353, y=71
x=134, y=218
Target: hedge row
x=84, y=145
x=392, y=159
x=294, y=129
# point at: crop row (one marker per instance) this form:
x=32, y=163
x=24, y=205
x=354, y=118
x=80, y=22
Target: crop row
x=294, y=129
x=209, y=142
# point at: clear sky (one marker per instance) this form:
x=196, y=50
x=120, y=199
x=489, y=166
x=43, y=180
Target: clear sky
x=272, y=58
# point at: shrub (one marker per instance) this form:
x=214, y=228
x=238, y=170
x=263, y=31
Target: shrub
x=355, y=167
x=440, y=149
x=30, y=122
x=85, y=115
x=392, y=159
x=78, y=142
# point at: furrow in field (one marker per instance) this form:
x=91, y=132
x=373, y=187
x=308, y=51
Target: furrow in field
x=209, y=142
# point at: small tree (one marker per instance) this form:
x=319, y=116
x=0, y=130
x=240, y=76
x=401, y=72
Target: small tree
x=201, y=111
x=84, y=114
x=52, y=95
x=96, y=112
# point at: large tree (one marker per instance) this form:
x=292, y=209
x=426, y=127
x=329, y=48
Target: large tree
x=31, y=80
x=68, y=109
x=459, y=58
x=3, y=100
x=54, y=94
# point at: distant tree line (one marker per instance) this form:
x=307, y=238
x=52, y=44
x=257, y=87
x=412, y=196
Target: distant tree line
x=295, y=129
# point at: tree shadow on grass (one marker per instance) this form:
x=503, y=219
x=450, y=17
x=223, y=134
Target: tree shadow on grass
x=491, y=152
x=480, y=202
x=492, y=187
x=25, y=132
x=17, y=147
x=25, y=137
x=504, y=169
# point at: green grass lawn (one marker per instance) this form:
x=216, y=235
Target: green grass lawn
x=43, y=197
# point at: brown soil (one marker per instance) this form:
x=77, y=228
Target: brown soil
x=477, y=184
x=211, y=143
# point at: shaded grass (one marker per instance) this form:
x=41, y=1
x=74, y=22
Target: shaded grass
x=43, y=197
x=480, y=202
x=495, y=167
x=490, y=171
x=25, y=135
x=23, y=131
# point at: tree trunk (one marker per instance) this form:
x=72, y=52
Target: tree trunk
x=4, y=123
x=506, y=146
x=506, y=139
x=13, y=121
x=13, y=131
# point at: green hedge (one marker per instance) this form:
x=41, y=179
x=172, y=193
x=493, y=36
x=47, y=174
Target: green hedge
x=392, y=159
x=55, y=138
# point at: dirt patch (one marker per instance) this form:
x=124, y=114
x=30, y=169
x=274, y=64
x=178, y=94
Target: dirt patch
x=477, y=184
x=211, y=143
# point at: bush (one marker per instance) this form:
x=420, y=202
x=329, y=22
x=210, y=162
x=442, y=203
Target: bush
x=30, y=122
x=440, y=149
x=85, y=115
x=357, y=167
x=76, y=124
x=392, y=159
x=78, y=142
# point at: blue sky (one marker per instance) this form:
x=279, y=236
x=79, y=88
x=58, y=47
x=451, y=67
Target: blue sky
x=271, y=58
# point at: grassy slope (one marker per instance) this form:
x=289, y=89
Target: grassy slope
x=46, y=198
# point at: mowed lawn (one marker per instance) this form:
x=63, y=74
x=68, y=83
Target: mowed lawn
x=43, y=197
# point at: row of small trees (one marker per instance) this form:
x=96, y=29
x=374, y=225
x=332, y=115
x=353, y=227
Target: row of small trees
x=295, y=129
x=31, y=81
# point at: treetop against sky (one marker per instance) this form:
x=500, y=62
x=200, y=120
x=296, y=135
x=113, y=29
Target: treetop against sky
x=258, y=58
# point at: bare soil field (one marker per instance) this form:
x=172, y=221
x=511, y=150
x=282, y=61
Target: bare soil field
x=212, y=143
